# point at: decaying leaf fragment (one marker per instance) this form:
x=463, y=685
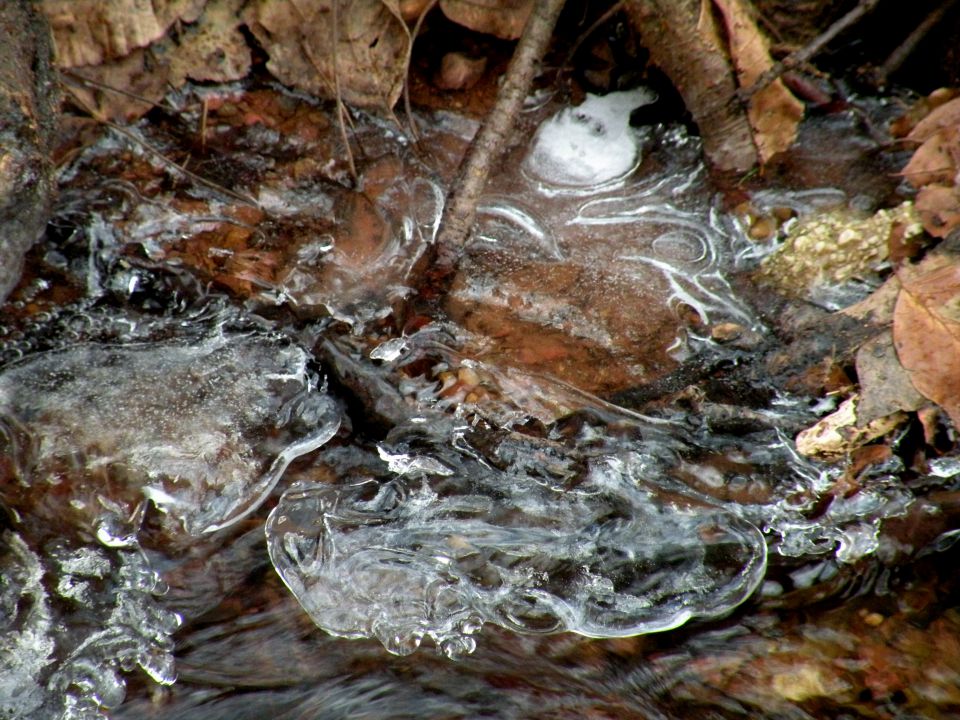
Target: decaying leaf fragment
x=126, y=45
x=840, y=432
x=774, y=113
x=935, y=169
x=89, y=32
x=926, y=332
x=364, y=53
x=503, y=18
x=885, y=387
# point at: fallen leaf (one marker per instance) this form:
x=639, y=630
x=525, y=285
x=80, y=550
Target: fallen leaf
x=939, y=208
x=503, y=18
x=885, y=387
x=213, y=49
x=937, y=160
x=840, y=432
x=926, y=332
x=369, y=44
x=774, y=113
x=945, y=116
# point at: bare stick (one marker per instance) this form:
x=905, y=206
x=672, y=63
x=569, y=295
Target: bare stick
x=461, y=207
x=334, y=34
x=801, y=56
x=899, y=56
x=411, y=121
x=133, y=137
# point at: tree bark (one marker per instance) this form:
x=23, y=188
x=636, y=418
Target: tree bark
x=684, y=42
x=29, y=99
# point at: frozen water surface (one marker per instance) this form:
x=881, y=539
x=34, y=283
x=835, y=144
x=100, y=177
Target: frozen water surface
x=470, y=488
x=203, y=430
x=447, y=540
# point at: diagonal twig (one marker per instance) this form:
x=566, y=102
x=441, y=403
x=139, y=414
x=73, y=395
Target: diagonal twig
x=460, y=209
x=803, y=55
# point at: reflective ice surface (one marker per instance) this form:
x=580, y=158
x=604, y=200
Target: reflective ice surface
x=535, y=539
x=201, y=429
x=72, y=621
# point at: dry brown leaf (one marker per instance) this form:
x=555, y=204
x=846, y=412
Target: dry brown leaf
x=841, y=432
x=213, y=49
x=939, y=208
x=937, y=160
x=885, y=386
x=141, y=73
x=503, y=18
x=370, y=49
x=926, y=332
x=774, y=112
x=945, y=116
x=89, y=32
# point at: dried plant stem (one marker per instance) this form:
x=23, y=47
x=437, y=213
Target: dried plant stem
x=461, y=207
x=803, y=55
x=176, y=167
x=411, y=121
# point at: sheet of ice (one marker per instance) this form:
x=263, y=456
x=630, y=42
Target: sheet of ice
x=26, y=645
x=447, y=540
x=203, y=430
x=588, y=145
x=71, y=622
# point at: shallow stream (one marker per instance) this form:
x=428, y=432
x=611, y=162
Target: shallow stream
x=247, y=473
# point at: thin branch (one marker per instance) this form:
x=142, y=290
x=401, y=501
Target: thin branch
x=803, y=55
x=101, y=118
x=334, y=34
x=411, y=121
x=342, y=116
x=461, y=207
x=77, y=79
x=906, y=48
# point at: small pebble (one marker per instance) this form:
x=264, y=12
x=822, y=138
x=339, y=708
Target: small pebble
x=726, y=331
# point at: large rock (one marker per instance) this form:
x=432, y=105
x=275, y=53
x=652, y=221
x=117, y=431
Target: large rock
x=28, y=106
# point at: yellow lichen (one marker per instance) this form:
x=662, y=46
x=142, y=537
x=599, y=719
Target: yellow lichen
x=835, y=246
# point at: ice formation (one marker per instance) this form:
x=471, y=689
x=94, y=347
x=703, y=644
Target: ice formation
x=71, y=622
x=590, y=144
x=202, y=430
x=445, y=542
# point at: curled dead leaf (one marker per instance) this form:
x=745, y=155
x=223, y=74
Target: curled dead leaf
x=365, y=54
x=937, y=160
x=926, y=332
x=503, y=18
x=939, y=208
x=774, y=112
x=944, y=116
x=840, y=432
x=89, y=32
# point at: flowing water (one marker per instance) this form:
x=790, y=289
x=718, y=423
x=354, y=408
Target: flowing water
x=236, y=485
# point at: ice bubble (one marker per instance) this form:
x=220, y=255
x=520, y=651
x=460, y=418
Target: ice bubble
x=588, y=145
x=435, y=555
x=203, y=430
